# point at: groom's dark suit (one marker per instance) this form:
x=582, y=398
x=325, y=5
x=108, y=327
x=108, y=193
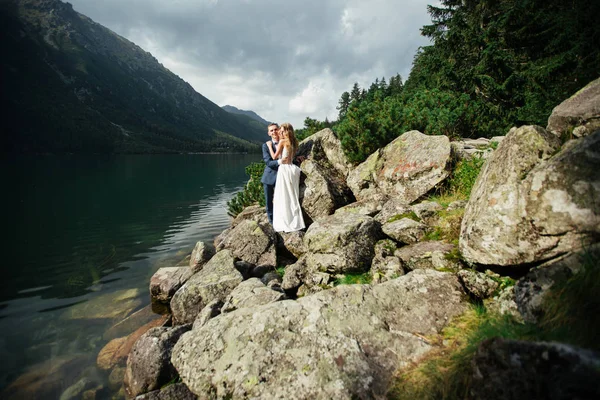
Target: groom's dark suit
x=269, y=178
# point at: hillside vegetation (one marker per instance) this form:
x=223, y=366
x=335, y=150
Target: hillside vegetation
x=72, y=85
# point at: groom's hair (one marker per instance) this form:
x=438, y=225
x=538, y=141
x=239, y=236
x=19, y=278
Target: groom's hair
x=272, y=124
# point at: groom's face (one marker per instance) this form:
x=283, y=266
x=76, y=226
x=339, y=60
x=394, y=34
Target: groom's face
x=273, y=132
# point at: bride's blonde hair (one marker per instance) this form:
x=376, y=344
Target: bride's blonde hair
x=291, y=136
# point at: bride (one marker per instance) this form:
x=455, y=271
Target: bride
x=287, y=214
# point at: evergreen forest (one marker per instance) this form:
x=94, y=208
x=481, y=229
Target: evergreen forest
x=491, y=65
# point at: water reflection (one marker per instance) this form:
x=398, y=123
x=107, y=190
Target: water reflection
x=88, y=233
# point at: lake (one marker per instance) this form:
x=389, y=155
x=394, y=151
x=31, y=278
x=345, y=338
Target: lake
x=83, y=231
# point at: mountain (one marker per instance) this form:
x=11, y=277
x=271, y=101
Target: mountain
x=72, y=85
x=251, y=114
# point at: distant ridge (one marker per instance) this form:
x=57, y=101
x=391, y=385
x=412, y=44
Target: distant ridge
x=251, y=114
x=71, y=85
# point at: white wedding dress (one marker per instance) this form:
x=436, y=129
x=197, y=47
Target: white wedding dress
x=287, y=214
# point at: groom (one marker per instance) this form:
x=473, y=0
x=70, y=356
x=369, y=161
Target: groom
x=270, y=174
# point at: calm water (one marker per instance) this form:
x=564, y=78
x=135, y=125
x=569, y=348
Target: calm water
x=84, y=230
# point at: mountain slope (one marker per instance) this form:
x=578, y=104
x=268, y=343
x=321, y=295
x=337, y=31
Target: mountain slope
x=251, y=114
x=72, y=85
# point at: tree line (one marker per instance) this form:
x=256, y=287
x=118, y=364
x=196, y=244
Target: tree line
x=491, y=65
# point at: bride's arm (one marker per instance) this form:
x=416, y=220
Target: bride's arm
x=280, y=147
x=270, y=147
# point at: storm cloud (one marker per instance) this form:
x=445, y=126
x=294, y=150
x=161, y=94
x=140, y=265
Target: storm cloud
x=285, y=60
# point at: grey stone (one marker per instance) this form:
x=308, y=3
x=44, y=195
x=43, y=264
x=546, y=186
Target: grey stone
x=407, y=168
x=427, y=255
x=478, y=284
x=74, y=391
x=385, y=264
x=325, y=168
x=456, y=205
x=254, y=213
x=341, y=243
x=166, y=281
x=209, y=311
x=250, y=293
x=509, y=369
x=504, y=303
x=176, y=391
x=200, y=255
x=391, y=209
x=427, y=211
x=324, y=190
x=405, y=230
x=579, y=114
x=149, y=364
x=491, y=230
x=337, y=344
x=252, y=242
x=271, y=277
x=369, y=207
x=324, y=145
x=293, y=242
x=532, y=288
x=214, y=282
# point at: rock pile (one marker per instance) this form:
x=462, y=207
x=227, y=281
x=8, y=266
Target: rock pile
x=239, y=330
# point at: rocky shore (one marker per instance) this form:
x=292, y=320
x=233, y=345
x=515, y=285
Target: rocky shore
x=238, y=329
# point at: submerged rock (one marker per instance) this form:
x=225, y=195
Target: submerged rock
x=115, y=305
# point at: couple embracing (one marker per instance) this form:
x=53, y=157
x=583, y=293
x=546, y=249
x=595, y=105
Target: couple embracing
x=281, y=179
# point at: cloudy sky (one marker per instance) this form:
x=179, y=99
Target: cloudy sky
x=283, y=59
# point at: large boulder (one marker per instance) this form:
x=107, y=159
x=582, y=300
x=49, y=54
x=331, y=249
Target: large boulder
x=510, y=369
x=325, y=167
x=324, y=189
x=531, y=289
x=252, y=242
x=341, y=243
x=579, y=115
x=407, y=168
x=324, y=145
x=149, y=363
x=166, y=281
x=215, y=281
x=337, y=344
x=528, y=205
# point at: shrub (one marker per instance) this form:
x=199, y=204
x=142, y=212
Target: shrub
x=253, y=192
